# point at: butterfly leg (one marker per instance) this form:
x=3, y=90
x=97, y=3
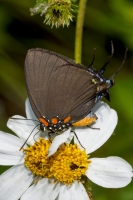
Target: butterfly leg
x=78, y=139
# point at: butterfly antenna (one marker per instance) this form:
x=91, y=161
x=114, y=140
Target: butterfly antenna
x=125, y=55
x=28, y=137
x=93, y=58
x=23, y=119
x=102, y=70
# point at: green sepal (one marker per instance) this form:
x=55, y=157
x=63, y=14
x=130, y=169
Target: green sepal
x=72, y=141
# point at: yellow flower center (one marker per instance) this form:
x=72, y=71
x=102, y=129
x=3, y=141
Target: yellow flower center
x=69, y=162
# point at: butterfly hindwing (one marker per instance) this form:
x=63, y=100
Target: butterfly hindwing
x=58, y=87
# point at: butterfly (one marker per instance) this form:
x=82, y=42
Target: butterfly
x=62, y=92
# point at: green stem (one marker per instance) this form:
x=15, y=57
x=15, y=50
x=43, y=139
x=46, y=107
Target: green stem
x=79, y=30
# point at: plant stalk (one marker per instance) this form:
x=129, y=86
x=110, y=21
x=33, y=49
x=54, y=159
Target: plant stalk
x=79, y=30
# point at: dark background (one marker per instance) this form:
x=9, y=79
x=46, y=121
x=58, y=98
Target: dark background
x=105, y=20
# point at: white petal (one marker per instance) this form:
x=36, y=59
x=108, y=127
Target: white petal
x=58, y=140
x=14, y=182
x=10, y=144
x=107, y=120
x=23, y=128
x=9, y=149
x=110, y=172
x=76, y=191
x=10, y=159
x=44, y=190
x=29, y=112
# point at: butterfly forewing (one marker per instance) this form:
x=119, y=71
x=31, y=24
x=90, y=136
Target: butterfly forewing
x=57, y=86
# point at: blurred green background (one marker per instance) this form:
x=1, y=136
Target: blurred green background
x=105, y=20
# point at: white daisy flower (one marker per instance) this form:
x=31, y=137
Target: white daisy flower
x=35, y=175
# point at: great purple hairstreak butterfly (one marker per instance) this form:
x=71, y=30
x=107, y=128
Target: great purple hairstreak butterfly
x=61, y=92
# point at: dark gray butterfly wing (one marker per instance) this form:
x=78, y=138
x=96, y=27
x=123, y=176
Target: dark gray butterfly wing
x=57, y=86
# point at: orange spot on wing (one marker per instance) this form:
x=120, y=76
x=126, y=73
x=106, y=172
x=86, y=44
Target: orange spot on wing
x=54, y=120
x=86, y=121
x=43, y=121
x=67, y=119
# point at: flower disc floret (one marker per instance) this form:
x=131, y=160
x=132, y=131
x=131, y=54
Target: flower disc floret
x=68, y=164
x=36, y=157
